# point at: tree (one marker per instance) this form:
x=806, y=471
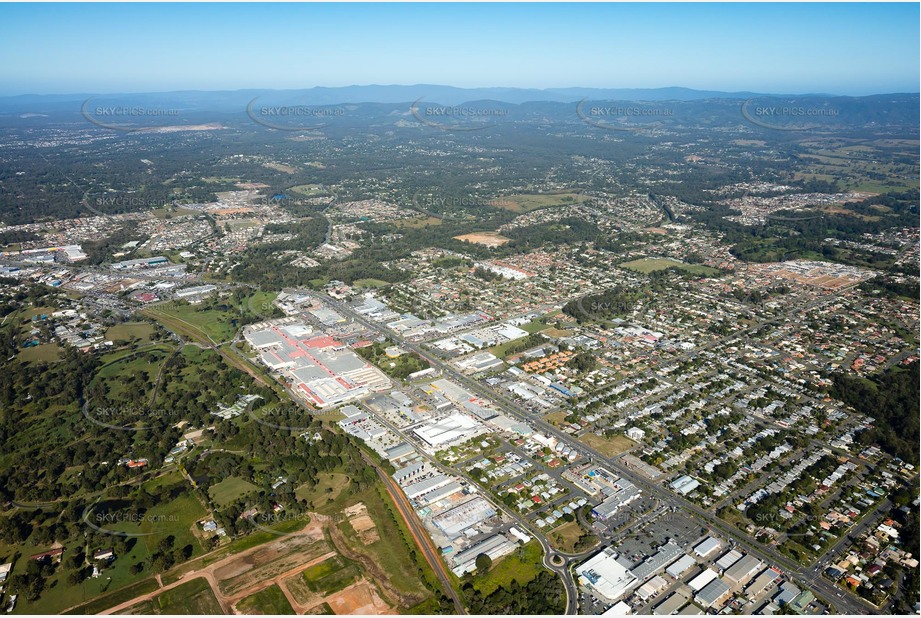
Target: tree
x=483, y=563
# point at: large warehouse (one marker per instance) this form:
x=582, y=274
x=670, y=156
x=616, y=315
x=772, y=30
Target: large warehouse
x=319, y=368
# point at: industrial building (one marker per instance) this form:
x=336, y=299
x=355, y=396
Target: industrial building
x=728, y=559
x=702, y=579
x=707, y=547
x=651, y=588
x=454, y=521
x=713, y=594
x=762, y=582
x=449, y=430
x=670, y=605
x=743, y=570
x=681, y=566
x=665, y=555
x=495, y=547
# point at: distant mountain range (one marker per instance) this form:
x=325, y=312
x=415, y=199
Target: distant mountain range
x=228, y=100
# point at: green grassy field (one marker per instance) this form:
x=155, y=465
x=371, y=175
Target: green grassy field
x=140, y=332
x=369, y=283
x=44, y=353
x=270, y=600
x=111, y=600
x=331, y=575
x=329, y=486
x=206, y=324
x=566, y=537
x=648, y=265
x=323, y=609
x=534, y=326
x=308, y=190
x=230, y=489
x=522, y=566
x=501, y=350
x=194, y=597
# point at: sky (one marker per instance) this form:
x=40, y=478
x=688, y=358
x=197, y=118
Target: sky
x=791, y=48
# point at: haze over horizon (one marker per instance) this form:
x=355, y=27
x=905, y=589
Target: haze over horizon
x=838, y=49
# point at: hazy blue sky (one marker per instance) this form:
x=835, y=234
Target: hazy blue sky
x=789, y=48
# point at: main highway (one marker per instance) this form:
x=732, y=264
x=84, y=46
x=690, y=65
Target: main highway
x=825, y=589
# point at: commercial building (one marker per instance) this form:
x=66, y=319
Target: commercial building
x=618, y=609
x=635, y=433
x=623, y=492
x=607, y=577
x=685, y=485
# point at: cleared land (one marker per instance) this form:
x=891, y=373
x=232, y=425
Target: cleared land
x=566, y=537
x=331, y=575
x=527, y=202
x=489, y=239
x=193, y=597
x=609, y=447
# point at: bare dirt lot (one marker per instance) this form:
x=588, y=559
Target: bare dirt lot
x=362, y=523
x=359, y=598
x=489, y=239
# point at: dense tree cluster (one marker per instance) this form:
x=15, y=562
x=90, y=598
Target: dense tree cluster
x=892, y=399
x=542, y=595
